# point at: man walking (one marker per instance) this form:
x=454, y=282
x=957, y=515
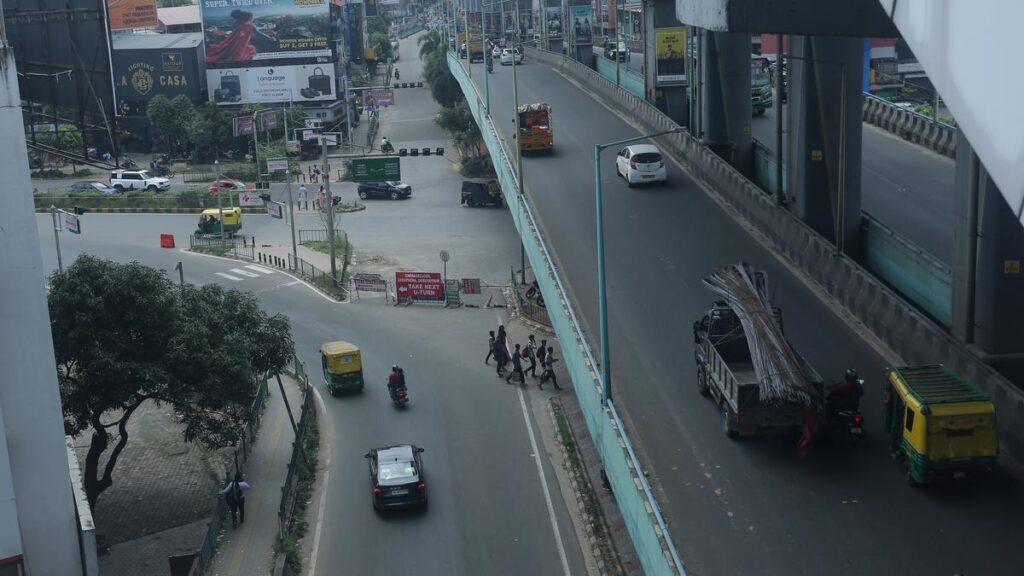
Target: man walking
x=542, y=351
x=234, y=496
x=531, y=355
x=490, y=348
x=549, y=369
x=303, y=198
x=517, y=366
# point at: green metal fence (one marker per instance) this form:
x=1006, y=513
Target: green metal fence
x=287, y=506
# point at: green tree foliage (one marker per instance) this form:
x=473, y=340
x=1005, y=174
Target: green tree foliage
x=171, y=118
x=125, y=334
x=67, y=138
x=381, y=44
x=443, y=86
x=378, y=24
x=459, y=122
x=429, y=43
x=211, y=127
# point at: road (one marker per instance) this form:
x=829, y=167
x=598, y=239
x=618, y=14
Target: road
x=906, y=186
x=752, y=506
x=488, y=511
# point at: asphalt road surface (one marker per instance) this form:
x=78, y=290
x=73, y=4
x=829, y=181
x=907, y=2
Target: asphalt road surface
x=905, y=186
x=488, y=512
x=749, y=506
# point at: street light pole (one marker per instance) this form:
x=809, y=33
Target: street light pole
x=56, y=236
x=602, y=291
x=220, y=200
x=519, y=150
x=780, y=194
x=329, y=201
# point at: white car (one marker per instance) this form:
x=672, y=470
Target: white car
x=510, y=57
x=496, y=52
x=122, y=180
x=641, y=163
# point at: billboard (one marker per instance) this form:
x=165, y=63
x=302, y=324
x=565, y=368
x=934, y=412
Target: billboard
x=553, y=19
x=128, y=14
x=374, y=97
x=376, y=169
x=582, y=24
x=303, y=83
x=671, y=51
x=420, y=286
x=240, y=31
x=140, y=74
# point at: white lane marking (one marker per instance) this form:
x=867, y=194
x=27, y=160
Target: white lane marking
x=544, y=485
x=299, y=280
x=315, y=552
x=245, y=273
x=293, y=283
x=260, y=269
x=228, y=276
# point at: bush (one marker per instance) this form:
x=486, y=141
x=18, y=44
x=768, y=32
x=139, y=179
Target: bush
x=477, y=167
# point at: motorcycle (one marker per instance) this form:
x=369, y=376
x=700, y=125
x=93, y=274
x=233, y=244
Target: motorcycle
x=387, y=148
x=400, y=397
x=128, y=163
x=533, y=293
x=847, y=426
x=396, y=74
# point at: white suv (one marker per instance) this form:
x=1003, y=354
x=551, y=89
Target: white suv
x=122, y=180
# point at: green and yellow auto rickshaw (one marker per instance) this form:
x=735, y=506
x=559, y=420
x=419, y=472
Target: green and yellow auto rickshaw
x=209, y=222
x=343, y=367
x=940, y=425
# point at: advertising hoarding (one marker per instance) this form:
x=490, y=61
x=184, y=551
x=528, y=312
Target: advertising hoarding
x=671, y=51
x=378, y=97
x=302, y=83
x=553, y=19
x=128, y=14
x=582, y=24
x=140, y=74
x=420, y=286
x=241, y=31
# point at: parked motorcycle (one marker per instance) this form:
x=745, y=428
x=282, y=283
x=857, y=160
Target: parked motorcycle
x=387, y=148
x=128, y=163
x=533, y=293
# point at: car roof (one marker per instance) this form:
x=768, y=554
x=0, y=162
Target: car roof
x=643, y=149
x=400, y=453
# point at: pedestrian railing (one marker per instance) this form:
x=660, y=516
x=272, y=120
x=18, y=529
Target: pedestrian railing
x=320, y=235
x=241, y=453
x=286, y=510
x=243, y=247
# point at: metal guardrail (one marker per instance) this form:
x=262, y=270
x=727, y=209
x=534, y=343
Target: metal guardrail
x=235, y=246
x=527, y=307
x=287, y=507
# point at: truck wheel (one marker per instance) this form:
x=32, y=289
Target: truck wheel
x=730, y=431
x=702, y=382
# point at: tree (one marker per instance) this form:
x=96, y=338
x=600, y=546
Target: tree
x=171, y=118
x=124, y=334
x=378, y=24
x=459, y=122
x=210, y=131
x=381, y=44
x=67, y=138
x=429, y=43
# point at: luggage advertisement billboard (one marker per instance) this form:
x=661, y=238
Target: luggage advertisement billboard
x=305, y=83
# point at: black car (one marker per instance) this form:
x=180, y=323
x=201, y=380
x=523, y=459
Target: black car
x=396, y=473
x=393, y=190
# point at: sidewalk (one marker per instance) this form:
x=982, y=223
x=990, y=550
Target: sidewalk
x=249, y=549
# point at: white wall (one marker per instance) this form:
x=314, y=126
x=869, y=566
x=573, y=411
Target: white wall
x=29, y=396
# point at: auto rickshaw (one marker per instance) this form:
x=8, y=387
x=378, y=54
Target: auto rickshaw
x=343, y=367
x=481, y=193
x=209, y=222
x=940, y=425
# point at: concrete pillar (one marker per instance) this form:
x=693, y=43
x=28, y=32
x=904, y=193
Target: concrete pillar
x=29, y=396
x=988, y=280
x=824, y=156
x=726, y=100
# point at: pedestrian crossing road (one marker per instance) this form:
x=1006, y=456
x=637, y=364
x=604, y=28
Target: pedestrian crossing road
x=243, y=272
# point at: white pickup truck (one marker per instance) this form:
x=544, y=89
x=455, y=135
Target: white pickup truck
x=122, y=180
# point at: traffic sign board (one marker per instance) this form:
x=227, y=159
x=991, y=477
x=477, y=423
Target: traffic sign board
x=376, y=169
x=420, y=286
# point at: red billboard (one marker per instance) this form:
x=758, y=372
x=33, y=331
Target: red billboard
x=420, y=286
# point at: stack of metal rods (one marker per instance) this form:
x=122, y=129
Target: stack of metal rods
x=779, y=374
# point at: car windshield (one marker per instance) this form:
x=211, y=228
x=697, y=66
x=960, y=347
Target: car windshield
x=396, y=471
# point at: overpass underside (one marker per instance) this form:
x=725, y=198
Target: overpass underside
x=822, y=154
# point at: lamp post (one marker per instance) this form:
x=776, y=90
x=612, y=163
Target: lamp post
x=291, y=203
x=519, y=151
x=220, y=200
x=602, y=296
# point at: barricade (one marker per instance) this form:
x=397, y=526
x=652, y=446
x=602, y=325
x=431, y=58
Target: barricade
x=909, y=333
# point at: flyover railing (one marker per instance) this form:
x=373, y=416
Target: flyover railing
x=907, y=332
x=909, y=125
x=640, y=511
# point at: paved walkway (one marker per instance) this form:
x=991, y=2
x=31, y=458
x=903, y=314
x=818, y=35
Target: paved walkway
x=249, y=549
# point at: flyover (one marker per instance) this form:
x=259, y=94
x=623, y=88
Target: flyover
x=751, y=507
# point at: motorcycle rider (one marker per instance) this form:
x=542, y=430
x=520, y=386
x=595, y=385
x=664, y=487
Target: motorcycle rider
x=385, y=145
x=845, y=396
x=396, y=74
x=396, y=380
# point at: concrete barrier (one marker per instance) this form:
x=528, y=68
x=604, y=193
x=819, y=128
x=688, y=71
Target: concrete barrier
x=905, y=330
x=937, y=136
x=640, y=511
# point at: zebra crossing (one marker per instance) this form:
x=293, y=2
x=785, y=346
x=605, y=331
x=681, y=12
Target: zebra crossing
x=241, y=273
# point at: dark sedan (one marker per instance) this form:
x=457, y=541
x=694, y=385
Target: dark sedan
x=393, y=190
x=396, y=473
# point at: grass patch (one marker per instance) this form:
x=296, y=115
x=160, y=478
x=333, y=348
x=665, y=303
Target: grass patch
x=324, y=246
x=297, y=528
x=576, y=468
x=54, y=173
x=65, y=198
